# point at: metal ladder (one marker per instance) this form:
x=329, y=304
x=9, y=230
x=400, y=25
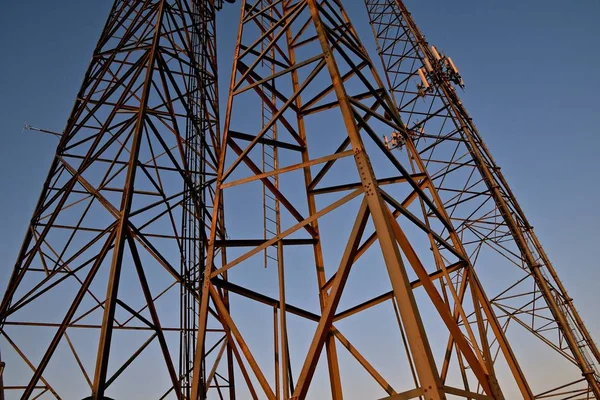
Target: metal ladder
x=270, y=157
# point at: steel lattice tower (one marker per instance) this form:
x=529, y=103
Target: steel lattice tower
x=484, y=210
x=116, y=243
x=297, y=253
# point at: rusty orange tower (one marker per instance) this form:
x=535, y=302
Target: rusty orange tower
x=334, y=240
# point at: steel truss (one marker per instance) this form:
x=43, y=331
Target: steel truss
x=108, y=276
x=143, y=269
x=482, y=206
x=346, y=194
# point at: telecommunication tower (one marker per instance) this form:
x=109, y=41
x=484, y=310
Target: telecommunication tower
x=337, y=245
x=484, y=210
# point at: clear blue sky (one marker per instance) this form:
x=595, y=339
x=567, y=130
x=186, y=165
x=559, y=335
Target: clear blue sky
x=532, y=87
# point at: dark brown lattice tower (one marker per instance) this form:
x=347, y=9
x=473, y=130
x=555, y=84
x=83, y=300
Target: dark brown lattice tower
x=528, y=294
x=107, y=280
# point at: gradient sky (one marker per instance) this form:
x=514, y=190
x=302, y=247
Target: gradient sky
x=532, y=87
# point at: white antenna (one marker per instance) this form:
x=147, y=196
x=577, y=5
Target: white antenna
x=452, y=65
x=454, y=74
x=435, y=53
x=428, y=66
x=423, y=79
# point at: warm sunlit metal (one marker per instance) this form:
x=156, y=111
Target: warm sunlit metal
x=374, y=205
x=323, y=73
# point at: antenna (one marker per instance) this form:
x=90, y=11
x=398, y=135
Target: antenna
x=428, y=66
x=435, y=53
x=27, y=127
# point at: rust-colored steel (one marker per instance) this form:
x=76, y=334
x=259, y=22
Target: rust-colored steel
x=482, y=206
x=352, y=212
x=333, y=242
